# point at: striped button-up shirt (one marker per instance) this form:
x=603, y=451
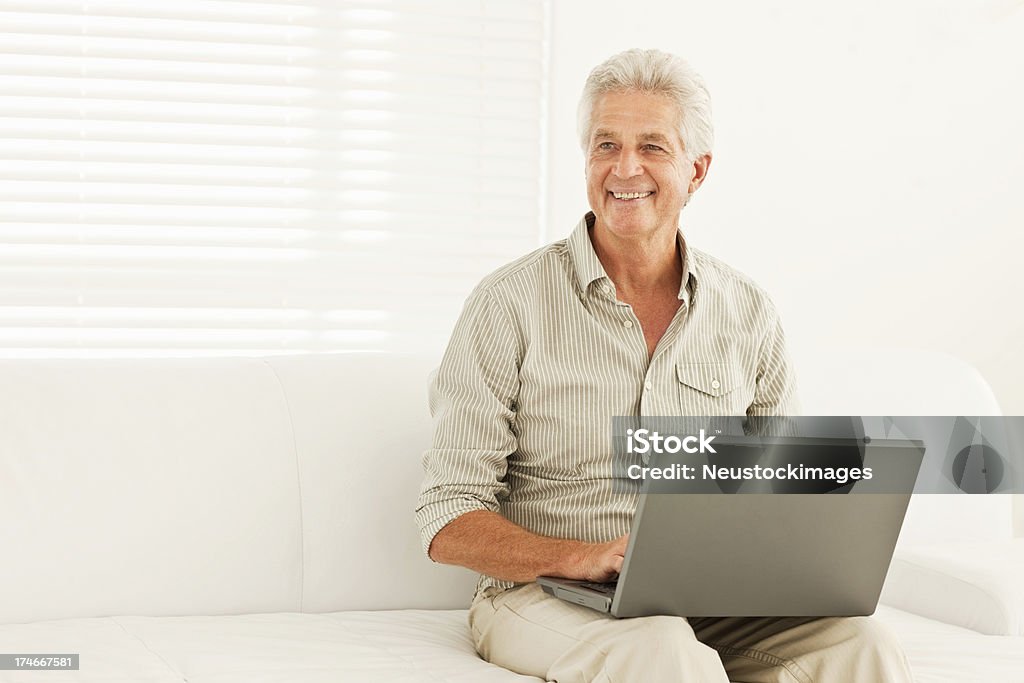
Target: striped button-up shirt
x=544, y=355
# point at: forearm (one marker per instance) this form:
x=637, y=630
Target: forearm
x=488, y=543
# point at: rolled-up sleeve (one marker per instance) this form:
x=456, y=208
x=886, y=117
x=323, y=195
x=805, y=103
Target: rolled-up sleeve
x=775, y=392
x=472, y=401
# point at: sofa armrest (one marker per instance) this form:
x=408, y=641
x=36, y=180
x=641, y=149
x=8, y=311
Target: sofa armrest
x=975, y=585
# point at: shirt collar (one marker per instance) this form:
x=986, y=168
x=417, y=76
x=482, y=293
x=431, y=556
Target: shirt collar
x=589, y=269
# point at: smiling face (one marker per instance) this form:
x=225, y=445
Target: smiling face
x=638, y=174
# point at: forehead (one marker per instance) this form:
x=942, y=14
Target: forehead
x=635, y=114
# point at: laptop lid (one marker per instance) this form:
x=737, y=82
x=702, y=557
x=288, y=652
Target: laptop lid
x=749, y=553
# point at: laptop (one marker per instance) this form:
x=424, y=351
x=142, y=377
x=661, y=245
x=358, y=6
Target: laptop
x=734, y=552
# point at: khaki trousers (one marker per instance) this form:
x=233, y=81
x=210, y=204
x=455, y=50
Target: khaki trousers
x=529, y=632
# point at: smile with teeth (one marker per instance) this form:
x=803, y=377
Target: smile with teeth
x=631, y=195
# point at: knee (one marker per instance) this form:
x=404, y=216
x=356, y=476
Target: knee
x=872, y=634
x=668, y=644
x=663, y=633
x=876, y=647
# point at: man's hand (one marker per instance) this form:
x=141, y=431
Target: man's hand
x=602, y=561
x=486, y=542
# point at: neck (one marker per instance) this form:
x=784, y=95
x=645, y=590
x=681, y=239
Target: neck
x=642, y=265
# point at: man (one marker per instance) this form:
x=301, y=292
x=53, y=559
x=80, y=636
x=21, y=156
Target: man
x=621, y=318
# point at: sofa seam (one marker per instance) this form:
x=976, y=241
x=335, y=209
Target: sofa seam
x=298, y=486
x=137, y=637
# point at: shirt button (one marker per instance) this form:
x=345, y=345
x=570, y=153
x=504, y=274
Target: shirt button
x=627, y=323
x=715, y=384
x=648, y=385
x=607, y=289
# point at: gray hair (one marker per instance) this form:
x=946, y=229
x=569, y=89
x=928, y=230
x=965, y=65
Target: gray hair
x=659, y=73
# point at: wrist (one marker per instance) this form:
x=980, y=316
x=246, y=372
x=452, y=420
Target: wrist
x=572, y=559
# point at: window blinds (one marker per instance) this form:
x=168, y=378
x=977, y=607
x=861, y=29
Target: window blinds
x=218, y=177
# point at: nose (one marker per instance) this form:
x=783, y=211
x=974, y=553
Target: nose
x=627, y=165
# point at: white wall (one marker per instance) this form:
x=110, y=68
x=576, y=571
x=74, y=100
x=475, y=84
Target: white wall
x=868, y=164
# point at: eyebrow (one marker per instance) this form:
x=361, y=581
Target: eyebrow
x=654, y=137
x=603, y=133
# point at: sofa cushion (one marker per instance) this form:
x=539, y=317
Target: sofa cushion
x=108, y=653
x=403, y=646
x=974, y=585
x=942, y=653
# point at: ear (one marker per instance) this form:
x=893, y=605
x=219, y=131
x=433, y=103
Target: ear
x=700, y=171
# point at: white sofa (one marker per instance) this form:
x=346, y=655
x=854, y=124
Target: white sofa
x=248, y=520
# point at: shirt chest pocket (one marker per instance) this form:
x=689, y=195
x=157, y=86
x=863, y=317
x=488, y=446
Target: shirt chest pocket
x=713, y=389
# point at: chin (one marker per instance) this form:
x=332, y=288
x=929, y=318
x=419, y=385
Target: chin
x=628, y=226
x=629, y=231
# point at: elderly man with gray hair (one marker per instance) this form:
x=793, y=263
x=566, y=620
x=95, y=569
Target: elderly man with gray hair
x=621, y=318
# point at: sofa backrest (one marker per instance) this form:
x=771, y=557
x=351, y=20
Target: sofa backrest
x=214, y=486
x=219, y=486
x=361, y=427
x=146, y=487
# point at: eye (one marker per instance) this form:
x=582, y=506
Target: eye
x=653, y=148
x=606, y=145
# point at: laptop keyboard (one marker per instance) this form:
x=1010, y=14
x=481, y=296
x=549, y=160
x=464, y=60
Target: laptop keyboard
x=605, y=588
